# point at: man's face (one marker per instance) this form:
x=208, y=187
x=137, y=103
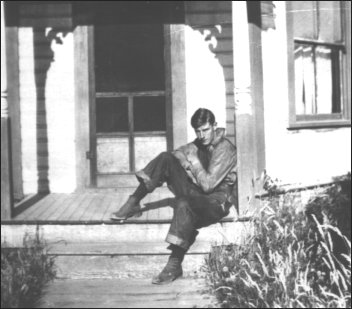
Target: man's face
x=206, y=133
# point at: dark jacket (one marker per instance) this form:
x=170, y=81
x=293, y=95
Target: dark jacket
x=213, y=167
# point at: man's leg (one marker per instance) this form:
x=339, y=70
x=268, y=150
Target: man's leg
x=181, y=235
x=131, y=206
x=190, y=214
x=165, y=167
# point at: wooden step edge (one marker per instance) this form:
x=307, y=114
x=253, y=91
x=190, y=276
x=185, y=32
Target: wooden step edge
x=94, y=222
x=115, y=249
x=129, y=266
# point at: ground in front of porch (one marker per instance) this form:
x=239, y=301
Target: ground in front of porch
x=127, y=293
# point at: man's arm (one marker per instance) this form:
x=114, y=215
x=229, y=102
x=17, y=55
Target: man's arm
x=182, y=154
x=223, y=160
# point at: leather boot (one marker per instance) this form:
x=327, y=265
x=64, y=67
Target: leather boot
x=171, y=272
x=129, y=209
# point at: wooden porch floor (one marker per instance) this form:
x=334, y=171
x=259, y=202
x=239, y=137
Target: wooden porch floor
x=95, y=207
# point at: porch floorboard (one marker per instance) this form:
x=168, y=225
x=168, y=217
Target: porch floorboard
x=95, y=207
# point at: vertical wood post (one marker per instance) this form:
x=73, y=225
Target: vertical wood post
x=177, y=69
x=249, y=105
x=84, y=102
x=6, y=179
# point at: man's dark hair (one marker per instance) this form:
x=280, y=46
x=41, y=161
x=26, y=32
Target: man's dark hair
x=201, y=117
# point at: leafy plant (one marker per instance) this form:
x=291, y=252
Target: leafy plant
x=291, y=260
x=24, y=272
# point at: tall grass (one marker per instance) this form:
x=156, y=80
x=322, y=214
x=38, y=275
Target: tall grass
x=24, y=273
x=291, y=260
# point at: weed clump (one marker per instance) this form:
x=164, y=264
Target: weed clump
x=24, y=273
x=294, y=258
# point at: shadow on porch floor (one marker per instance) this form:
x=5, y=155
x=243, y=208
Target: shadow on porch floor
x=93, y=207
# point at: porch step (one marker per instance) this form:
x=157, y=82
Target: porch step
x=127, y=293
x=119, y=250
x=122, y=260
x=67, y=234
x=123, y=266
x=122, y=248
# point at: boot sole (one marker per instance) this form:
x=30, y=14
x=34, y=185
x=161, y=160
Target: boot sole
x=121, y=219
x=155, y=281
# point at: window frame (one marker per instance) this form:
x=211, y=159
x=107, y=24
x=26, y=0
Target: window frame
x=132, y=133
x=342, y=119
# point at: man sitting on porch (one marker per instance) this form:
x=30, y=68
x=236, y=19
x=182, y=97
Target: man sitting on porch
x=201, y=175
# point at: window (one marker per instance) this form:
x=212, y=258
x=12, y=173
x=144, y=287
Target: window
x=319, y=63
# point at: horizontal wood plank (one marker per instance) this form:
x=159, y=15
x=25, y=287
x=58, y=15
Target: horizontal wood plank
x=208, y=6
x=122, y=266
x=203, y=18
x=38, y=208
x=74, y=199
x=72, y=209
x=64, y=23
x=122, y=248
x=112, y=207
x=225, y=59
x=96, y=206
x=223, y=45
x=35, y=10
x=93, y=208
x=56, y=206
x=126, y=293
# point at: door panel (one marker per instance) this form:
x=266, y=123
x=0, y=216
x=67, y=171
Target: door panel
x=130, y=98
x=112, y=155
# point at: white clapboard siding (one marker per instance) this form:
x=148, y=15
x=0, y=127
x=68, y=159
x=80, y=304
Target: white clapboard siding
x=46, y=70
x=205, y=15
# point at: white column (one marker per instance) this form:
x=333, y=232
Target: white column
x=244, y=113
x=241, y=58
x=6, y=185
x=4, y=105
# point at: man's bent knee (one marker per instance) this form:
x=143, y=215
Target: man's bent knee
x=182, y=205
x=182, y=202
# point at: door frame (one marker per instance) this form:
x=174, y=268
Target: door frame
x=85, y=103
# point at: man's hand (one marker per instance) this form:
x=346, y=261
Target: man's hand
x=186, y=165
x=192, y=160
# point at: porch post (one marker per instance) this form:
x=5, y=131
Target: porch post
x=6, y=187
x=248, y=103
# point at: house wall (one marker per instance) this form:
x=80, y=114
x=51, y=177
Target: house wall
x=209, y=62
x=46, y=70
x=292, y=156
x=47, y=94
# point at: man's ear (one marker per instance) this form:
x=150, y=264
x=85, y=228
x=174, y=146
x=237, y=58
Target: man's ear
x=215, y=125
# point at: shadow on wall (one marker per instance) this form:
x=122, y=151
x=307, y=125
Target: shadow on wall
x=43, y=57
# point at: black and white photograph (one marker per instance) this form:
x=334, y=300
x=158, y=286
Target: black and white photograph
x=175, y=154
